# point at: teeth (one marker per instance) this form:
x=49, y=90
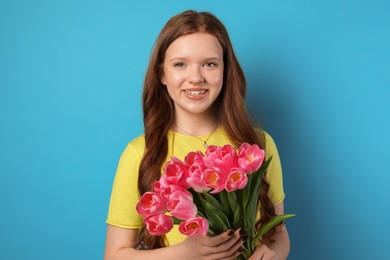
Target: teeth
x=195, y=92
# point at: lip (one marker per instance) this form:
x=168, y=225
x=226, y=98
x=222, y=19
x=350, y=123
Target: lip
x=195, y=89
x=195, y=93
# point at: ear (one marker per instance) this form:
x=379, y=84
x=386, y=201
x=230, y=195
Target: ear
x=162, y=79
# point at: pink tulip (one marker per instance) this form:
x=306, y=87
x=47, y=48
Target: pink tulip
x=218, y=153
x=150, y=204
x=166, y=191
x=181, y=205
x=196, y=178
x=176, y=173
x=194, y=227
x=196, y=171
x=250, y=158
x=157, y=187
x=228, y=150
x=213, y=157
x=159, y=224
x=224, y=158
x=236, y=180
x=215, y=179
x=194, y=158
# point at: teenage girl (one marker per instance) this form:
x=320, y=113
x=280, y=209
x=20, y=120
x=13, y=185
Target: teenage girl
x=193, y=97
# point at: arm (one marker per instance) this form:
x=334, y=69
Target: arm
x=279, y=249
x=121, y=244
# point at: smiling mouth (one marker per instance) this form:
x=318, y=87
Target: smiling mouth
x=195, y=92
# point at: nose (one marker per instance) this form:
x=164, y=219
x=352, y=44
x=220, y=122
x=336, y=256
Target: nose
x=195, y=75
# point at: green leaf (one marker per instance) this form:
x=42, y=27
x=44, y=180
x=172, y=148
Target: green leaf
x=247, y=192
x=273, y=222
x=213, y=201
x=197, y=198
x=201, y=214
x=223, y=226
x=209, y=209
x=205, y=213
x=251, y=209
x=247, y=225
x=232, y=201
x=237, y=219
x=253, y=186
x=258, y=176
x=225, y=202
x=176, y=221
x=217, y=217
x=240, y=196
x=224, y=219
x=250, y=212
x=213, y=224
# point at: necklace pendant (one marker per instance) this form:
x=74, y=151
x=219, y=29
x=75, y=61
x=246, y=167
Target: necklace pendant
x=205, y=145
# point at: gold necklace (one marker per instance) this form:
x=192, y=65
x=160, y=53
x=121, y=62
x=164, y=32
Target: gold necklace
x=205, y=145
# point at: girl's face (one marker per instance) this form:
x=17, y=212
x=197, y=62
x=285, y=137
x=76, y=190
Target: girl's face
x=193, y=73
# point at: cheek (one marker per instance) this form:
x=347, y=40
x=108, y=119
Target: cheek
x=173, y=78
x=217, y=80
x=170, y=91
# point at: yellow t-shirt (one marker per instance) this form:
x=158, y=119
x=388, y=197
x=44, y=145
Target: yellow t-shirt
x=125, y=196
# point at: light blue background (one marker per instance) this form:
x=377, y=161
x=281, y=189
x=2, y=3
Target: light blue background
x=70, y=84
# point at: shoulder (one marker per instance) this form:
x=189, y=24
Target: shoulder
x=138, y=142
x=269, y=141
x=270, y=146
x=135, y=148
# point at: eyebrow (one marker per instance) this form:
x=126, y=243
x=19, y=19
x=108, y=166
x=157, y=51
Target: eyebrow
x=184, y=58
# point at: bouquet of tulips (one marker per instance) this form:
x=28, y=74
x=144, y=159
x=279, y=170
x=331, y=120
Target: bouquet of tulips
x=209, y=194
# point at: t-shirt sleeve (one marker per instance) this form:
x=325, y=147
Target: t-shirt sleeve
x=274, y=171
x=124, y=196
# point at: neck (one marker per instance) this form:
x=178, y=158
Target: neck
x=195, y=125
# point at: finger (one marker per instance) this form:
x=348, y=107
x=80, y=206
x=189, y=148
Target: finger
x=238, y=252
x=263, y=252
x=230, y=248
x=269, y=255
x=220, y=239
x=259, y=253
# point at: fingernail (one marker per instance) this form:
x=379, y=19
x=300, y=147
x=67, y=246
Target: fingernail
x=241, y=232
x=230, y=233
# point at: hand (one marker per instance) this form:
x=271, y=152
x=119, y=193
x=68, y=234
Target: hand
x=263, y=252
x=227, y=245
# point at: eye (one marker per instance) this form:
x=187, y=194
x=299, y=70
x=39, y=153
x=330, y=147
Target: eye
x=211, y=64
x=179, y=64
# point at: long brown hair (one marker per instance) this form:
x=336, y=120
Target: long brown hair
x=159, y=113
